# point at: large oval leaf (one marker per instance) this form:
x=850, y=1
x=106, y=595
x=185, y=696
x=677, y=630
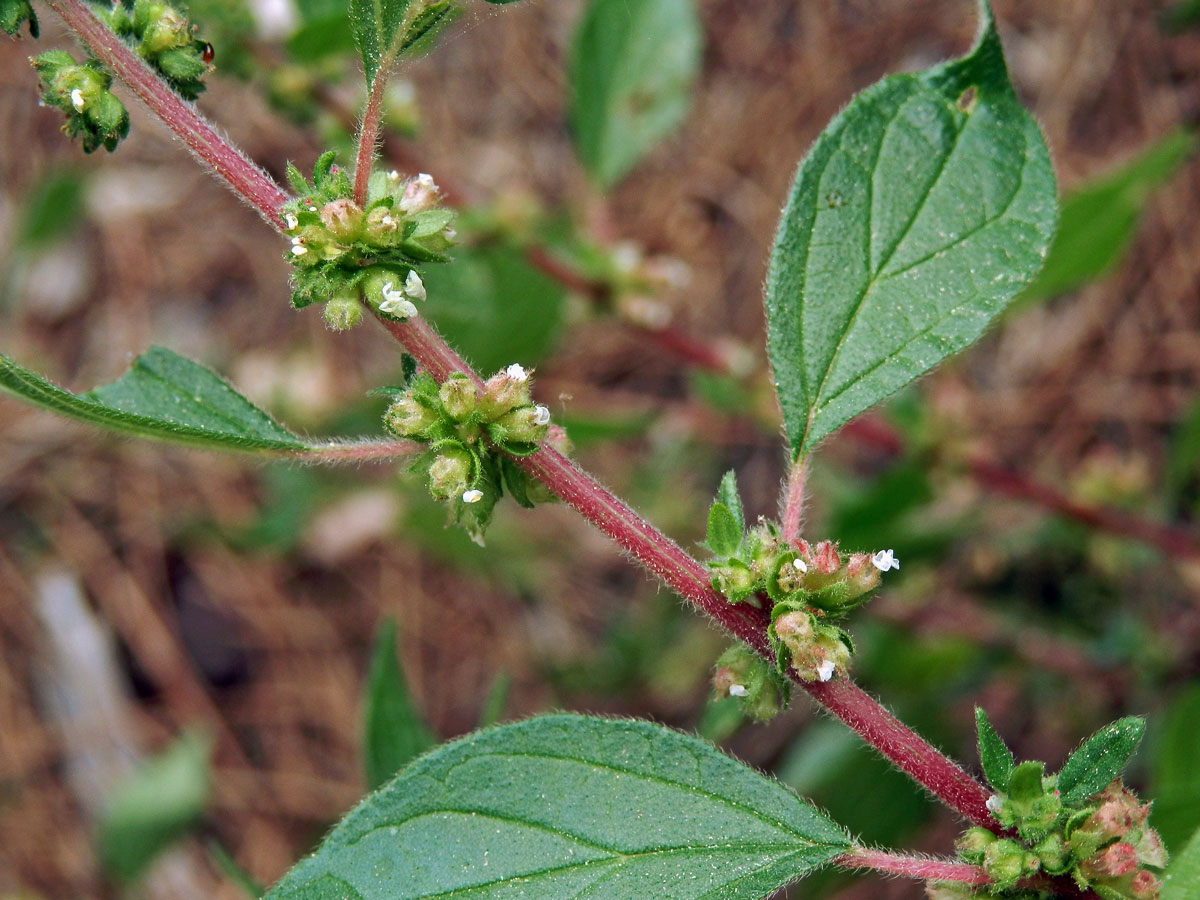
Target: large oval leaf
x=918, y=214
x=634, y=64
x=567, y=806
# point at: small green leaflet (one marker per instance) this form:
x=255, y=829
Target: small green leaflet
x=922, y=209
x=724, y=534
x=1100, y=759
x=633, y=67
x=1182, y=878
x=1099, y=218
x=394, y=733
x=996, y=758
x=565, y=806
x=152, y=807
x=728, y=495
x=383, y=29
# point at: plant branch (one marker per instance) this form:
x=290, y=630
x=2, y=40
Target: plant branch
x=863, y=714
x=793, y=504
x=201, y=138
x=368, y=137
x=357, y=451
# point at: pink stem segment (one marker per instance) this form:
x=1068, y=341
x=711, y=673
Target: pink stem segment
x=793, y=504
x=244, y=177
x=912, y=866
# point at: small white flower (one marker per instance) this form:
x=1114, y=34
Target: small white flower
x=393, y=175
x=414, y=287
x=994, y=803
x=77, y=100
x=298, y=248
x=516, y=372
x=825, y=670
x=799, y=565
x=388, y=221
x=737, y=690
x=883, y=561
x=395, y=303
x=541, y=416
x=426, y=181
x=472, y=496
x=312, y=209
x=291, y=221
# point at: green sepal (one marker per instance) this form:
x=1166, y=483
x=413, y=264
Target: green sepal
x=298, y=182
x=516, y=482
x=1025, y=781
x=994, y=755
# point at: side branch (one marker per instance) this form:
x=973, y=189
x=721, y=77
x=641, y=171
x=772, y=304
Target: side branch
x=864, y=715
x=912, y=866
x=244, y=177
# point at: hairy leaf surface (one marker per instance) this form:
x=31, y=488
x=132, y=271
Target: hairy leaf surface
x=1100, y=759
x=922, y=209
x=568, y=806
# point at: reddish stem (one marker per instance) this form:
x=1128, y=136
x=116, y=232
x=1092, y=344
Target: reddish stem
x=362, y=451
x=793, y=505
x=368, y=138
x=912, y=866
x=244, y=177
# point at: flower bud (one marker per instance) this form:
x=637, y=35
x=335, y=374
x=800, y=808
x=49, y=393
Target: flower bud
x=343, y=218
x=1054, y=854
x=1006, y=861
x=408, y=418
x=790, y=575
x=1116, y=859
x=861, y=576
x=450, y=474
x=826, y=560
x=505, y=391
x=420, y=194
x=381, y=224
x=528, y=424
x=733, y=579
x=343, y=311
x=1144, y=886
x=973, y=844
x=795, y=631
x=458, y=396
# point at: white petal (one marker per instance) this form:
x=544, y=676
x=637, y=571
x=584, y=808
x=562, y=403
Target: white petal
x=994, y=803
x=516, y=372
x=472, y=496
x=884, y=560
x=825, y=670
x=299, y=249
x=799, y=564
x=737, y=690
x=77, y=100
x=291, y=221
x=541, y=416
x=414, y=287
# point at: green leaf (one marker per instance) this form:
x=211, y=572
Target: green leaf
x=153, y=807
x=165, y=397
x=724, y=535
x=918, y=214
x=1180, y=17
x=1100, y=759
x=1025, y=781
x=394, y=734
x=568, y=806
x=1181, y=881
x=1176, y=770
x=383, y=29
x=728, y=494
x=994, y=754
x=1099, y=218
x=633, y=68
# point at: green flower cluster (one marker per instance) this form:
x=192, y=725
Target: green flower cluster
x=810, y=586
x=1082, y=821
x=82, y=93
x=342, y=252
x=161, y=35
x=13, y=13
x=464, y=427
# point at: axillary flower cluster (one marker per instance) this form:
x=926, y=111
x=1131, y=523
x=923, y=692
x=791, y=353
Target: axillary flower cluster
x=344, y=254
x=471, y=436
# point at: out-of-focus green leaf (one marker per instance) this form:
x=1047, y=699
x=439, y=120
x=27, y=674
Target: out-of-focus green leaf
x=1100, y=759
x=1180, y=17
x=494, y=307
x=153, y=807
x=563, y=806
x=1176, y=770
x=394, y=733
x=1182, y=878
x=1183, y=457
x=233, y=871
x=496, y=700
x=1099, y=218
x=634, y=65
x=52, y=210
x=920, y=212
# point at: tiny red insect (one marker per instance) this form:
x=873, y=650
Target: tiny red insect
x=208, y=53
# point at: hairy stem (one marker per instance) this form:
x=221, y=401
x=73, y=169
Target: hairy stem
x=793, y=504
x=227, y=162
x=912, y=866
x=368, y=137
x=907, y=750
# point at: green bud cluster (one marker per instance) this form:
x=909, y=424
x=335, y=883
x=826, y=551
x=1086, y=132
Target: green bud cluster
x=343, y=253
x=162, y=35
x=471, y=436
x=760, y=690
x=1102, y=841
x=82, y=93
x=13, y=13
x=809, y=586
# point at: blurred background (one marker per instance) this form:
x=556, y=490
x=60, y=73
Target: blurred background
x=1042, y=490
